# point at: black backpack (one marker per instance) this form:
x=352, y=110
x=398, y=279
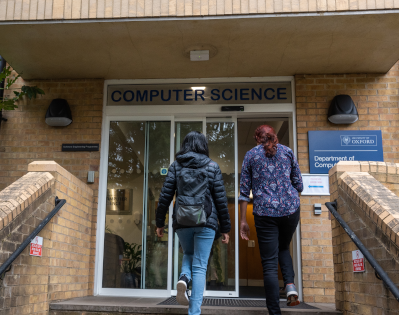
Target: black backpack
x=193, y=204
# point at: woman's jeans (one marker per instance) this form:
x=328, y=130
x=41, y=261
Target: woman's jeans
x=274, y=238
x=196, y=243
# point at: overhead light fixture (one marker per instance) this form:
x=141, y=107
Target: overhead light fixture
x=199, y=55
x=58, y=113
x=194, y=88
x=342, y=110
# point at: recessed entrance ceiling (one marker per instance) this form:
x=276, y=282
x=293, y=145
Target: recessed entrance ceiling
x=269, y=46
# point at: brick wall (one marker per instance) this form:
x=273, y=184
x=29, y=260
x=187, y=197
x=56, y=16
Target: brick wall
x=98, y=9
x=25, y=137
x=64, y=270
x=376, y=98
x=370, y=210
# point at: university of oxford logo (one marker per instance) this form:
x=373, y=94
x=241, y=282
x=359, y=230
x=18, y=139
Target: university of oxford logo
x=359, y=140
x=346, y=140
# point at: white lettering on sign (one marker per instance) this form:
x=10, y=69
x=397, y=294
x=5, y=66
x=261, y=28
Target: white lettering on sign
x=333, y=159
x=36, y=246
x=358, y=261
x=347, y=140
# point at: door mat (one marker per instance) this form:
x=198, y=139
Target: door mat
x=239, y=303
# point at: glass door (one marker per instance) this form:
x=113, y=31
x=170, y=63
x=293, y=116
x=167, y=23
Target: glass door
x=221, y=277
x=135, y=261
x=139, y=156
x=222, y=273
x=182, y=128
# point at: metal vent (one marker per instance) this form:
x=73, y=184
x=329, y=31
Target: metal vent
x=237, y=303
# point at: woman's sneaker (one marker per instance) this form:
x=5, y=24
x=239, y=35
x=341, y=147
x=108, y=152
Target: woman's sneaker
x=292, y=295
x=182, y=296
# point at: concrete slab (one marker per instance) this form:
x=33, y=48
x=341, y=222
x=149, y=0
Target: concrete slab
x=131, y=305
x=246, y=47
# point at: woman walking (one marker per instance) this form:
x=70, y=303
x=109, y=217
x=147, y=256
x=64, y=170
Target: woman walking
x=272, y=172
x=200, y=203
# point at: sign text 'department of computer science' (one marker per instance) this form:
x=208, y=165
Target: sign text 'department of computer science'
x=327, y=148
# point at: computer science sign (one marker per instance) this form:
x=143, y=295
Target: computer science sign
x=327, y=148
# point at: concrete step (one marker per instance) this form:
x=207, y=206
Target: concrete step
x=107, y=305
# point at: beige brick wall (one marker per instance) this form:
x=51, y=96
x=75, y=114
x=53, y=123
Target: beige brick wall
x=376, y=98
x=64, y=270
x=16, y=10
x=25, y=137
x=370, y=210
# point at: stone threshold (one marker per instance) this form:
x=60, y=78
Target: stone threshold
x=131, y=305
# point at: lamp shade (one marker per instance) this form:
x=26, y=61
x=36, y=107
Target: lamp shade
x=342, y=110
x=58, y=113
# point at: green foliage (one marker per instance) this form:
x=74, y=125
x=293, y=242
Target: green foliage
x=133, y=253
x=108, y=230
x=29, y=91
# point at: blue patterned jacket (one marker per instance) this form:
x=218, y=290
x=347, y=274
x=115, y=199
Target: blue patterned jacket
x=275, y=182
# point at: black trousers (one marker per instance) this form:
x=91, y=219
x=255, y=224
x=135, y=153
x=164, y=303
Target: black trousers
x=274, y=238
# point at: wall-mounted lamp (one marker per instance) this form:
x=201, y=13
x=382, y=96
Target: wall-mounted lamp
x=342, y=110
x=58, y=113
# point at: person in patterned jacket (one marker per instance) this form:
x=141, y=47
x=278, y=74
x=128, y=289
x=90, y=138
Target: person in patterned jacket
x=272, y=172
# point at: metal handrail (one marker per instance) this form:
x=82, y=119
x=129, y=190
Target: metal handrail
x=379, y=272
x=59, y=203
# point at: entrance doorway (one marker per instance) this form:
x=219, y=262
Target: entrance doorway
x=134, y=261
x=250, y=270
x=221, y=134
x=139, y=142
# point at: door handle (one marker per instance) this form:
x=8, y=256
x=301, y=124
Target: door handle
x=251, y=243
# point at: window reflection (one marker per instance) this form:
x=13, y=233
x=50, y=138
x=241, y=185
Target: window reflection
x=137, y=152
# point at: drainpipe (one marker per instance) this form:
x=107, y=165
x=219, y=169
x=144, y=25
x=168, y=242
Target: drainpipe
x=2, y=66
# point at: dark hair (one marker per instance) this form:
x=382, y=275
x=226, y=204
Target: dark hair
x=194, y=141
x=266, y=135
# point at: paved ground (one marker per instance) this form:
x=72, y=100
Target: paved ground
x=150, y=306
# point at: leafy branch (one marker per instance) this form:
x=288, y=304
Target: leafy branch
x=28, y=91
x=132, y=254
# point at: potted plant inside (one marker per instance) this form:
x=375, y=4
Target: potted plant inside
x=131, y=269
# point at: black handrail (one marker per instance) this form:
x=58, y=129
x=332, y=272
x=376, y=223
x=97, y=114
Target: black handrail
x=379, y=272
x=59, y=203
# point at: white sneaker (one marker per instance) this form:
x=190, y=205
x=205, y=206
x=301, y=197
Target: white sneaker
x=182, y=296
x=292, y=295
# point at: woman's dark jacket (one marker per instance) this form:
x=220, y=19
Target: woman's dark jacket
x=215, y=189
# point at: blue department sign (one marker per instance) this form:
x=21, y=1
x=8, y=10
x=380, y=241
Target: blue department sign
x=327, y=148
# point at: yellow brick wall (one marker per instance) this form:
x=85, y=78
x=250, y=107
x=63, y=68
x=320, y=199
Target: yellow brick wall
x=15, y=10
x=64, y=270
x=371, y=212
x=376, y=98
x=25, y=137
